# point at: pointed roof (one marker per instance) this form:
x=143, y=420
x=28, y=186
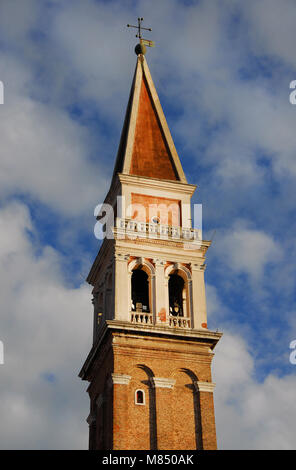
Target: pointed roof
x=146, y=146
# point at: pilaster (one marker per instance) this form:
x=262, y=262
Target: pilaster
x=199, y=296
x=122, y=288
x=120, y=383
x=161, y=308
x=164, y=418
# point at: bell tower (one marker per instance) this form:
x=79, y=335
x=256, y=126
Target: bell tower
x=149, y=368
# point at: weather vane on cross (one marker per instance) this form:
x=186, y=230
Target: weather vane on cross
x=143, y=42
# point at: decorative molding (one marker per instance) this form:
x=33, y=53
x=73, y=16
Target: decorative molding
x=178, y=267
x=158, y=262
x=206, y=336
x=205, y=386
x=121, y=257
x=198, y=266
x=169, y=185
x=141, y=260
x=120, y=379
x=160, y=382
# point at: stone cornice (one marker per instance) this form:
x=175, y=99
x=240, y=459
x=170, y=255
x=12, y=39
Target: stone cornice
x=175, y=186
x=205, y=336
x=202, y=334
x=198, y=266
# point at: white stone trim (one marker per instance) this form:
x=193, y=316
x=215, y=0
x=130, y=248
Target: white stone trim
x=173, y=187
x=140, y=261
x=161, y=382
x=120, y=379
x=179, y=267
x=133, y=117
x=205, y=386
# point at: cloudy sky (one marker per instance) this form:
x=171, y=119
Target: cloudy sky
x=222, y=69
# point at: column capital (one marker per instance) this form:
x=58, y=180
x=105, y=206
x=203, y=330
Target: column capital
x=120, y=379
x=161, y=382
x=198, y=267
x=121, y=257
x=158, y=262
x=205, y=386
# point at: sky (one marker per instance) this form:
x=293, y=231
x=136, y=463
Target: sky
x=222, y=69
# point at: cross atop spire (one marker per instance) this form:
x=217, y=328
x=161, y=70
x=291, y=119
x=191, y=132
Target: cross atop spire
x=140, y=48
x=139, y=27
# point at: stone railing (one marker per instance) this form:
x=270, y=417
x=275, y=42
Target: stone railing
x=142, y=318
x=179, y=322
x=134, y=228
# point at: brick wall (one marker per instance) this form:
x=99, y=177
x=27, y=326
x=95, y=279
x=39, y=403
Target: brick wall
x=176, y=418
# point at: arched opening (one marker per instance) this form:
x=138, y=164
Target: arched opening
x=176, y=295
x=140, y=397
x=140, y=291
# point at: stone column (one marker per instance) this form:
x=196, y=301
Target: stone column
x=161, y=309
x=199, y=297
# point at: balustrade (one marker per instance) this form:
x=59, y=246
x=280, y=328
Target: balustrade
x=153, y=230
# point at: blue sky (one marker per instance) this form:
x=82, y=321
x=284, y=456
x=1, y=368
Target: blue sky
x=222, y=70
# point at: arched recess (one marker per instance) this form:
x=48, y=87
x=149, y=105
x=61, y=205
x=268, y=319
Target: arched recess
x=151, y=403
x=142, y=290
x=187, y=405
x=180, y=292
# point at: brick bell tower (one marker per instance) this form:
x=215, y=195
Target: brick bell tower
x=150, y=364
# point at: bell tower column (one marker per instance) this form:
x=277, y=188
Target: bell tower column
x=161, y=307
x=199, y=296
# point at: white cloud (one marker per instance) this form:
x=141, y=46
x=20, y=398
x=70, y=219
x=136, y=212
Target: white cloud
x=18, y=17
x=271, y=27
x=250, y=414
x=248, y=250
x=43, y=152
x=46, y=329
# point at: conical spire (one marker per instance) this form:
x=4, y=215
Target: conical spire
x=146, y=147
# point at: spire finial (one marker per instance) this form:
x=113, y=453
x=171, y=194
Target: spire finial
x=141, y=48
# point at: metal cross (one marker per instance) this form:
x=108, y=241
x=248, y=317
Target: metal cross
x=139, y=27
